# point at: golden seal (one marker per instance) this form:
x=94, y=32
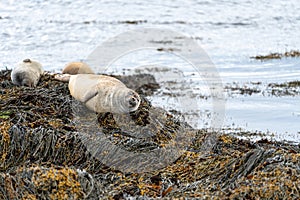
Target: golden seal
x=77, y=68
x=102, y=93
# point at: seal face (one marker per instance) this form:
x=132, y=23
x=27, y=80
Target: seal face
x=103, y=93
x=132, y=100
x=27, y=73
x=77, y=68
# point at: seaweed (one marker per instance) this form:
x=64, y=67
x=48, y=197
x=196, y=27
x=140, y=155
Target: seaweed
x=289, y=54
x=44, y=156
x=291, y=88
x=132, y=22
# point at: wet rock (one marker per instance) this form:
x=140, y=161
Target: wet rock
x=142, y=83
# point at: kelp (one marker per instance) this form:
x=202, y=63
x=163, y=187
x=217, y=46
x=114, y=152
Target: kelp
x=290, y=88
x=271, y=56
x=44, y=153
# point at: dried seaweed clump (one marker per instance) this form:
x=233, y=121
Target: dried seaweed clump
x=57, y=183
x=36, y=182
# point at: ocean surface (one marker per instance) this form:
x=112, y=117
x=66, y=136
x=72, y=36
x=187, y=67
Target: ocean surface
x=229, y=31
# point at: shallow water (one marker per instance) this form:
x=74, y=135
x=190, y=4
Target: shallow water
x=230, y=31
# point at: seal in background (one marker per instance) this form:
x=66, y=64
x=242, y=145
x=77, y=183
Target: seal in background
x=77, y=68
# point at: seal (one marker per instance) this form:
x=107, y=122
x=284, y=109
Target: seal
x=77, y=68
x=27, y=73
x=102, y=93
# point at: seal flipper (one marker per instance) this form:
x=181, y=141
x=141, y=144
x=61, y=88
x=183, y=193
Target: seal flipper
x=91, y=93
x=62, y=77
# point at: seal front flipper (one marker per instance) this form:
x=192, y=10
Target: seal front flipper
x=63, y=77
x=91, y=93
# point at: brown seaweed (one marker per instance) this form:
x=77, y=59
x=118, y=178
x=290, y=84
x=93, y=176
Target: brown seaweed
x=289, y=54
x=291, y=88
x=43, y=155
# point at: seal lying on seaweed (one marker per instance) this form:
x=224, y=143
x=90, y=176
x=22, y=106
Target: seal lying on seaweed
x=77, y=68
x=102, y=93
x=27, y=73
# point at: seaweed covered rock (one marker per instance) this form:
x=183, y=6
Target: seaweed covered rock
x=49, y=145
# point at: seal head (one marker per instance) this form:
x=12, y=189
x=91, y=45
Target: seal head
x=131, y=101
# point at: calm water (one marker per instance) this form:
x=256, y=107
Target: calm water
x=230, y=31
